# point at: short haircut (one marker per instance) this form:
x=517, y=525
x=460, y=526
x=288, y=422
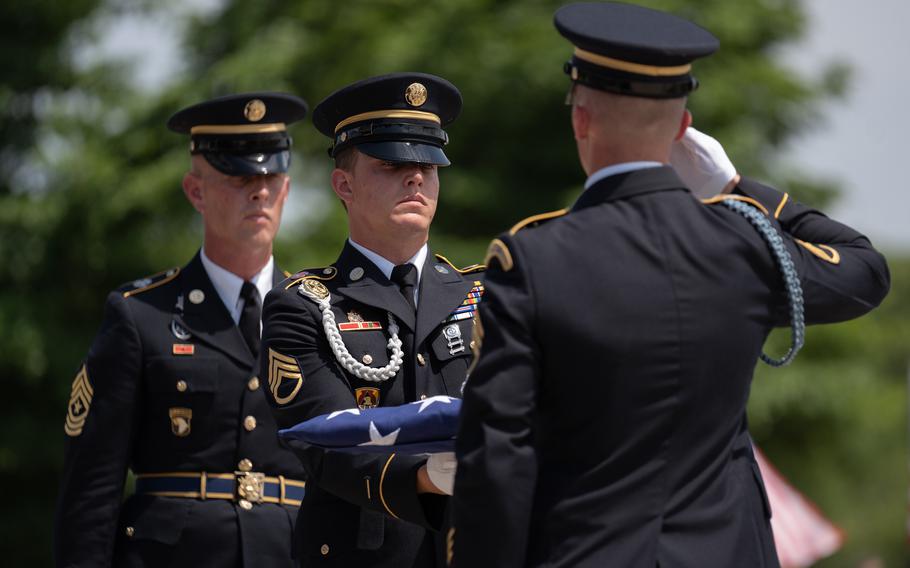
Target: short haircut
x=346, y=159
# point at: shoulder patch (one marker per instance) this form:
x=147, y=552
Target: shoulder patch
x=144, y=284
x=743, y=198
x=535, y=220
x=324, y=273
x=470, y=269
x=500, y=252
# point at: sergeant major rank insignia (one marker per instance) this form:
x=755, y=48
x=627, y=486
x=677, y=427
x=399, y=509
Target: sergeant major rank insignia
x=80, y=402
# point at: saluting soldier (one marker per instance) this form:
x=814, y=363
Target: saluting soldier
x=605, y=421
x=388, y=323
x=170, y=386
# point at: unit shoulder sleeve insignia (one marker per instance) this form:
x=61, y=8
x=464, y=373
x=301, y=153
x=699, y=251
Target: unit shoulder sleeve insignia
x=535, y=220
x=470, y=269
x=79, y=405
x=149, y=282
x=322, y=273
x=285, y=378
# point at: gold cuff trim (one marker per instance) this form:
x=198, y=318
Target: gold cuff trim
x=744, y=199
x=780, y=206
x=824, y=252
x=397, y=113
x=238, y=128
x=629, y=67
x=381, y=481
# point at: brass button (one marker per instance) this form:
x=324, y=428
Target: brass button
x=324, y=549
x=130, y=531
x=420, y=360
x=249, y=423
x=245, y=465
x=253, y=384
x=245, y=505
x=423, y=397
x=367, y=359
x=181, y=385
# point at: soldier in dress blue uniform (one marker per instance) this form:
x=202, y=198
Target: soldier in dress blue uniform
x=605, y=421
x=388, y=323
x=170, y=386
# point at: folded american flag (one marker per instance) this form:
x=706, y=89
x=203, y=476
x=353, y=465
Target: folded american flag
x=423, y=427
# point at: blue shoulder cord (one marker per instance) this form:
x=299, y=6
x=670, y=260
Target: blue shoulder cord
x=788, y=271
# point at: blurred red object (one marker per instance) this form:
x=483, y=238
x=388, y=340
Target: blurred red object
x=802, y=534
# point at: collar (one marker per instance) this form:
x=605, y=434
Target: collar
x=617, y=169
x=628, y=185
x=385, y=266
x=228, y=284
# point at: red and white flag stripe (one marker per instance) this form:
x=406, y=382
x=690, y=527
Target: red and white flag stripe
x=802, y=534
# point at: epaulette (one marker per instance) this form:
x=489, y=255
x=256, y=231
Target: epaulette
x=322, y=273
x=145, y=284
x=471, y=269
x=743, y=198
x=535, y=220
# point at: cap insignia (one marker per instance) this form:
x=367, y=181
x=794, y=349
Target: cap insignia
x=415, y=94
x=254, y=110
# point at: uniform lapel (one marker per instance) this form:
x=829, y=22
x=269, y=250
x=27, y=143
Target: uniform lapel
x=209, y=320
x=373, y=288
x=441, y=291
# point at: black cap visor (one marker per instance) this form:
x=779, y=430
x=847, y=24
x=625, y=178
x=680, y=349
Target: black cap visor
x=404, y=151
x=249, y=164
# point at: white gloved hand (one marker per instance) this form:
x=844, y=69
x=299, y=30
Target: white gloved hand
x=441, y=470
x=701, y=163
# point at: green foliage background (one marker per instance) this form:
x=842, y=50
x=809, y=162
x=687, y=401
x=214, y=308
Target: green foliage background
x=89, y=198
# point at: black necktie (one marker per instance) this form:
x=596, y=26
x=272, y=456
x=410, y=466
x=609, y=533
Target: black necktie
x=249, y=316
x=405, y=275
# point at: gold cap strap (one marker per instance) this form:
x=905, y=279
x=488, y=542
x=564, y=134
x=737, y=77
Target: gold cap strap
x=398, y=113
x=238, y=128
x=629, y=67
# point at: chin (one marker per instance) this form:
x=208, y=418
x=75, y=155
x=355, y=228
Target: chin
x=413, y=223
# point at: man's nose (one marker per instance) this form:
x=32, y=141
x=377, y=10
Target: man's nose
x=414, y=177
x=259, y=188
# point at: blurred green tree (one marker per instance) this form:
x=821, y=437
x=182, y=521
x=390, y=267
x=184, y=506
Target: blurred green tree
x=89, y=198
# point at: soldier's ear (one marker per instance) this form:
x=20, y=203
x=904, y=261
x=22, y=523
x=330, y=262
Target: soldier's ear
x=341, y=185
x=581, y=121
x=685, y=123
x=192, y=188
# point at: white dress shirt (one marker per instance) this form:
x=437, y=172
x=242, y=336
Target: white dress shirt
x=385, y=266
x=616, y=169
x=228, y=284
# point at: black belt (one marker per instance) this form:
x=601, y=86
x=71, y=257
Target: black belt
x=245, y=487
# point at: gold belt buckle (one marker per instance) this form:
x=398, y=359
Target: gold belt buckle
x=250, y=488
